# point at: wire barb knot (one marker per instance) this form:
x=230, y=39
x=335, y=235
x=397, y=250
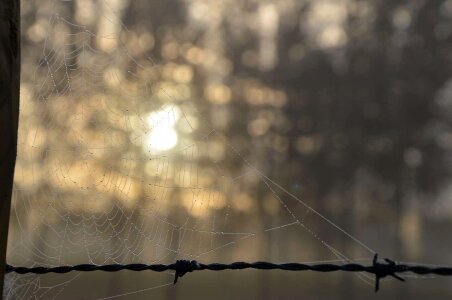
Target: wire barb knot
x=381, y=270
x=182, y=267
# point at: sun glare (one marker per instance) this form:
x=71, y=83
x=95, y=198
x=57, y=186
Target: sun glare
x=162, y=135
x=162, y=139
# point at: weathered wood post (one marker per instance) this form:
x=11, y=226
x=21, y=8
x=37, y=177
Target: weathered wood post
x=9, y=114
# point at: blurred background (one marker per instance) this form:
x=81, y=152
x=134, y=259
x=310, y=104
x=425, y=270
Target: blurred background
x=152, y=131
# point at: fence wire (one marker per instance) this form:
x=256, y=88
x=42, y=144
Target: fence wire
x=379, y=268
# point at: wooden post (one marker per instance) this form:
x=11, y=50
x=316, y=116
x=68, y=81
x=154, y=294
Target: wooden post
x=9, y=114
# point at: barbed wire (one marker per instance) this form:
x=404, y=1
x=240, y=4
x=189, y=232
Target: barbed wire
x=181, y=267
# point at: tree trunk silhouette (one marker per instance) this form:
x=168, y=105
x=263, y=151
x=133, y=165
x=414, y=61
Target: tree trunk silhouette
x=9, y=115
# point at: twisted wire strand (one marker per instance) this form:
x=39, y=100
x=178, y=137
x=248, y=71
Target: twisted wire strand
x=181, y=267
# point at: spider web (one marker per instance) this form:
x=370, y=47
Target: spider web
x=119, y=162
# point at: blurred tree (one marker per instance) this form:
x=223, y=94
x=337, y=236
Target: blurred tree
x=368, y=109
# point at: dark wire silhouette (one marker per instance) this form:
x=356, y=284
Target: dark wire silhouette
x=181, y=267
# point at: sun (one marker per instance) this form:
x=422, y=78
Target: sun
x=162, y=139
x=162, y=136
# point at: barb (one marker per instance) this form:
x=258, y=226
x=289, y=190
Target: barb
x=181, y=267
x=386, y=269
x=185, y=266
